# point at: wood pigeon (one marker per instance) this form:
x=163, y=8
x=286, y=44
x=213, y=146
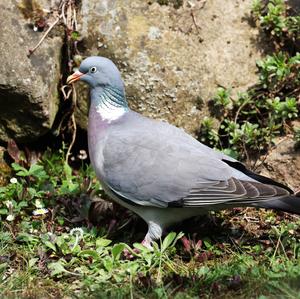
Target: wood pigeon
x=157, y=170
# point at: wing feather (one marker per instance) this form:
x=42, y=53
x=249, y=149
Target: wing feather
x=244, y=192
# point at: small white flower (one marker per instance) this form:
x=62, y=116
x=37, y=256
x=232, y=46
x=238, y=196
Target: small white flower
x=77, y=231
x=9, y=204
x=38, y=204
x=82, y=155
x=13, y=181
x=39, y=212
x=10, y=217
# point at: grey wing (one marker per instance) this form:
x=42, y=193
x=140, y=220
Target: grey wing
x=170, y=168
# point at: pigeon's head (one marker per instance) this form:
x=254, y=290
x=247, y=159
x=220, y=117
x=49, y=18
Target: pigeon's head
x=97, y=71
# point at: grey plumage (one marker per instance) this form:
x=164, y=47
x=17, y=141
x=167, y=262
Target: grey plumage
x=157, y=170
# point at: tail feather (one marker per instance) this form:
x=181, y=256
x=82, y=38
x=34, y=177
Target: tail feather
x=289, y=204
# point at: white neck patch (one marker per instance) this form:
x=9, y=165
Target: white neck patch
x=110, y=112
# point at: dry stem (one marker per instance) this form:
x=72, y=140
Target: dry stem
x=44, y=36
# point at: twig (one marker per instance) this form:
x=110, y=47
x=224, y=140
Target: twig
x=30, y=52
x=276, y=248
x=66, y=95
x=62, y=15
x=74, y=20
x=69, y=17
x=195, y=23
x=239, y=110
x=246, y=153
x=63, y=12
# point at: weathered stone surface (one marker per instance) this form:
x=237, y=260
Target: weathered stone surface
x=28, y=86
x=172, y=60
x=283, y=163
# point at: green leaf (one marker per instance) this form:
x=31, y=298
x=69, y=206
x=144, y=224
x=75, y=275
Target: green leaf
x=75, y=35
x=102, y=242
x=68, y=171
x=207, y=243
x=24, y=237
x=20, y=171
x=32, y=262
x=3, y=211
x=49, y=245
x=108, y=264
x=89, y=252
x=141, y=247
x=56, y=268
x=117, y=250
x=22, y=204
x=168, y=241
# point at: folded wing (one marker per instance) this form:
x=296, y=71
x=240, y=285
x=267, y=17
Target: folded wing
x=151, y=163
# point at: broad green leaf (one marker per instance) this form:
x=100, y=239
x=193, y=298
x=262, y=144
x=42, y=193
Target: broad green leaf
x=68, y=171
x=49, y=245
x=108, y=264
x=207, y=243
x=56, y=268
x=168, y=241
x=3, y=211
x=102, y=242
x=22, y=204
x=178, y=237
x=36, y=169
x=24, y=237
x=141, y=247
x=89, y=252
x=20, y=171
x=117, y=250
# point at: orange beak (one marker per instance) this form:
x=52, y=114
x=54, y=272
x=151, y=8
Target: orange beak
x=74, y=77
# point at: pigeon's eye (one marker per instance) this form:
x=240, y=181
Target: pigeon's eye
x=93, y=69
